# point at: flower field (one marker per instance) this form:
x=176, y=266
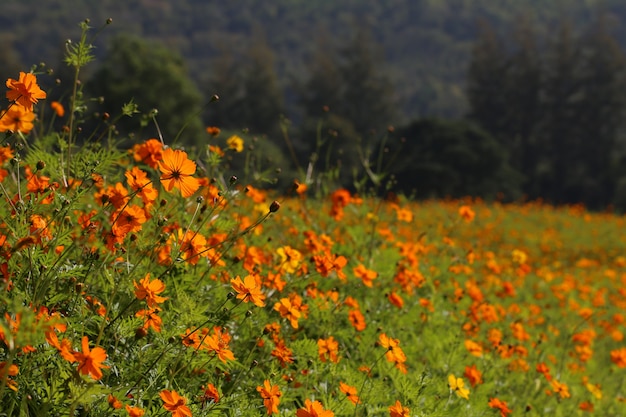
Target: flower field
x=151, y=282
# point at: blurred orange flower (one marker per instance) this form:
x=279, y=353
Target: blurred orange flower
x=25, y=91
x=58, y=108
x=271, y=396
x=313, y=409
x=149, y=290
x=90, y=360
x=350, y=392
x=249, y=290
x=17, y=119
x=397, y=410
x=175, y=403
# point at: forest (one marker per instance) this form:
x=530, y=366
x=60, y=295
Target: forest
x=510, y=100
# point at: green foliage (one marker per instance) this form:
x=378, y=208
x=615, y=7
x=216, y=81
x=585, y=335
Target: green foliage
x=146, y=72
x=452, y=159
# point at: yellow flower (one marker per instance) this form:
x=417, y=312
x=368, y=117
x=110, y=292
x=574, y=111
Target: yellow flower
x=235, y=143
x=458, y=386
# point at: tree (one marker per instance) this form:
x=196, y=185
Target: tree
x=154, y=78
x=453, y=159
x=248, y=87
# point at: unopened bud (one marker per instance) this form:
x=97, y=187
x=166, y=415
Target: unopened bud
x=274, y=206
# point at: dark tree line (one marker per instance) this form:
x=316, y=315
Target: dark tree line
x=556, y=104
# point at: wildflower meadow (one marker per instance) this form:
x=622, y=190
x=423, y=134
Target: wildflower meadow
x=151, y=281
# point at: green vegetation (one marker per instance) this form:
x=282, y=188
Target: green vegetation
x=162, y=280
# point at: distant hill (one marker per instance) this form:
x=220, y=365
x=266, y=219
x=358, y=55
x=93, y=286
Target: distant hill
x=424, y=44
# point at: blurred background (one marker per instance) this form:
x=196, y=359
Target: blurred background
x=510, y=99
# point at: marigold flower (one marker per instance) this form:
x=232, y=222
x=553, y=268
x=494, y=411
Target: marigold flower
x=177, y=171
x=90, y=360
x=313, y=409
x=249, y=290
x=458, y=386
x=235, y=143
x=500, y=406
x=175, y=403
x=25, y=91
x=397, y=410
x=17, y=119
x=149, y=290
x=350, y=392
x=271, y=396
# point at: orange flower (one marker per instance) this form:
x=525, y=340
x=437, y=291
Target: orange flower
x=138, y=180
x=149, y=290
x=175, y=403
x=129, y=219
x=218, y=343
x=473, y=348
x=395, y=299
x=177, y=172
x=114, y=402
x=618, y=357
x=58, y=108
x=90, y=361
x=25, y=90
x=271, y=396
x=150, y=152
x=474, y=376
x=282, y=353
x=11, y=370
x=350, y=393
x=213, y=130
x=134, y=411
x=357, y=320
x=397, y=410
x=291, y=308
x=313, y=409
x=366, y=275
x=17, y=119
x=327, y=349
x=210, y=393
x=500, y=406
x=151, y=318
x=466, y=213
x=394, y=354
x=249, y=290
x=560, y=388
